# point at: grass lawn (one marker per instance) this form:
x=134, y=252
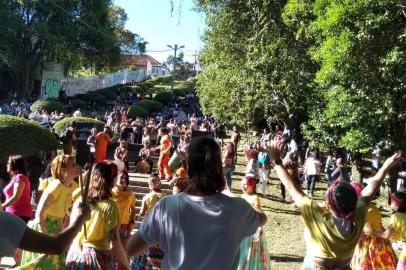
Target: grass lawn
x=284, y=230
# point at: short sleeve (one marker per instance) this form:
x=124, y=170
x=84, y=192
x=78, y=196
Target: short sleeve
x=112, y=216
x=54, y=188
x=43, y=184
x=307, y=210
x=12, y=231
x=257, y=201
x=149, y=230
x=361, y=212
x=248, y=218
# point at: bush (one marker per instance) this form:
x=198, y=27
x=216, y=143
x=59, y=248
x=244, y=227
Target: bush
x=61, y=125
x=137, y=111
x=144, y=87
x=164, y=97
x=132, y=88
x=179, y=92
x=109, y=94
x=93, y=97
x=48, y=105
x=23, y=137
x=78, y=103
x=151, y=106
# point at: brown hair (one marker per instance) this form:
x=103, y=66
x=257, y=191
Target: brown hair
x=58, y=163
x=102, y=181
x=17, y=164
x=204, y=166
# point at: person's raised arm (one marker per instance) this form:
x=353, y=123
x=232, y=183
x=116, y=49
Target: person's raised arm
x=375, y=181
x=275, y=150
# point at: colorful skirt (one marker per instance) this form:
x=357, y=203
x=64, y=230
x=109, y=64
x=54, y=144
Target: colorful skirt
x=89, y=258
x=125, y=233
x=38, y=261
x=150, y=260
x=254, y=254
x=373, y=253
x=402, y=259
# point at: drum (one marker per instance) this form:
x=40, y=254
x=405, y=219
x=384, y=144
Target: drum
x=142, y=166
x=175, y=162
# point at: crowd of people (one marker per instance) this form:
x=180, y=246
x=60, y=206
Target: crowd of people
x=83, y=217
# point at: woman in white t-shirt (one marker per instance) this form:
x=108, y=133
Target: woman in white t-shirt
x=196, y=228
x=312, y=172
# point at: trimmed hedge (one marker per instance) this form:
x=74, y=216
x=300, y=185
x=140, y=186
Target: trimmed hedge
x=109, y=94
x=151, y=106
x=179, y=92
x=132, y=88
x=92, y=97
x=61, y=125
x=78, y=103
x=23, y=137
x=164, y=97
x=48, y=105
x=137, y=111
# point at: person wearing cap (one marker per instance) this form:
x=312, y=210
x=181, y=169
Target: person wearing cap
x=331, y=236
x=102, y=141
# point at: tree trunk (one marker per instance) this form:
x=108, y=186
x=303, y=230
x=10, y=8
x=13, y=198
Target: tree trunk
x=356, y=168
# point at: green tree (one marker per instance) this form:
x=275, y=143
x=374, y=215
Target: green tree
x=254, y=67
x=360, y=46
x=75, y=32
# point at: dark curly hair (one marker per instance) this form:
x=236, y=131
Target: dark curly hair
x=345, y=197
x=204, y=166
x=102, y=181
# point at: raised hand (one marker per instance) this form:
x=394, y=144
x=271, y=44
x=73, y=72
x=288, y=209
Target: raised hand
x=393, y=160
x=275, y=148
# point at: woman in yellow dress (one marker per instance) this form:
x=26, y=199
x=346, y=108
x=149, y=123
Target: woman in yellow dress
x=52, y=211
x=126, y=205
x=397, y=227
x=95, y=249
x=373, y=252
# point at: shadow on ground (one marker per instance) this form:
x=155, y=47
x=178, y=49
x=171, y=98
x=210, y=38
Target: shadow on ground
x=286, y=258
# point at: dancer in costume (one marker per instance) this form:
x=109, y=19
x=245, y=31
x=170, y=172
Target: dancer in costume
x=126, y=205
x=254, y=253
x=373, y=252
x=331, y=236
x=52, y=212
x=95, y=250
x=102, y=141
x=397, y=226
x=164, y=153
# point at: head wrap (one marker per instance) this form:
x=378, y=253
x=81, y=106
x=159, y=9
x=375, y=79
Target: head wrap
x=333, y=203
x=250, y=180
x=396, y=200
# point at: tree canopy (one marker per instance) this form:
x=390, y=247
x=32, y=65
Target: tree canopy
x=74, y=32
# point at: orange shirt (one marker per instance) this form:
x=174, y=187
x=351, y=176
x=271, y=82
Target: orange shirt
x=166, y=144
x=102, y=140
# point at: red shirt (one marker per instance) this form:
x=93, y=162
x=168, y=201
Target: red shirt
x=22, y=207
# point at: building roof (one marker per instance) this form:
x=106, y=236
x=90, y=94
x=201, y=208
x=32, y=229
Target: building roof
x=139, y=60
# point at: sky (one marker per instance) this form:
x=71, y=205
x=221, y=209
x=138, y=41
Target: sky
x=152, y=20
